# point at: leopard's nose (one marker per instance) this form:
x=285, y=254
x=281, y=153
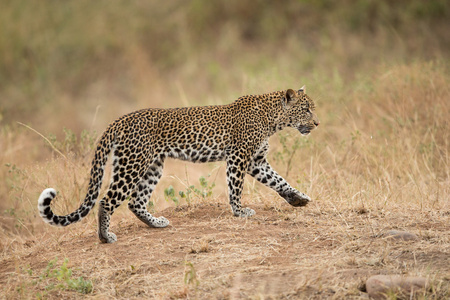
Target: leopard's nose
x=316, y=122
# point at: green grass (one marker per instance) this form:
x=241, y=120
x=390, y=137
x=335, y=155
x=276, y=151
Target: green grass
x=64, y=278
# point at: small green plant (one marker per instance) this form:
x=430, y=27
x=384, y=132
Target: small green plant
x=286, y=155
x=14, y=182
x=64, y=276
x=190, y=275
x=356, y=135
x=169, y=194
x=16, y=175
x=202, y=192
x=151, y=206
x=71, y=143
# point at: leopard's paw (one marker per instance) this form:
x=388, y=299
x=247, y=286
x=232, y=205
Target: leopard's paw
x=244, y=212
x=298, y=199
x=108, y=238
x=160, y=222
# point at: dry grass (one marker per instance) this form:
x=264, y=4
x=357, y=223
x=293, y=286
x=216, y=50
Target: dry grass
x=380, y=164
x=378, y=161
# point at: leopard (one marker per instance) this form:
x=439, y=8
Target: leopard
x=138, y=143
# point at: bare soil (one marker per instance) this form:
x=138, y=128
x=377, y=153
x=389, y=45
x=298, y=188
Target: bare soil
x=316, y=252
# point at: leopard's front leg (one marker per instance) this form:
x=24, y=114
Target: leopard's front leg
x=260, y=169
x=236, y=167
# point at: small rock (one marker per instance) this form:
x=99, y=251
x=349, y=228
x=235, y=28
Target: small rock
x=401, y=235
x=379, y=286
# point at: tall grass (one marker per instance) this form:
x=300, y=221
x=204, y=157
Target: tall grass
x=390, y=144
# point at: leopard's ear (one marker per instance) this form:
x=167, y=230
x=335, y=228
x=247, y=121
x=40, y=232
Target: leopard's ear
x=290, y=95
x=302, y=90
x=289, y=98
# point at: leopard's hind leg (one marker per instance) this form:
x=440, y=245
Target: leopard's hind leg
x=126, y=173
x=142, y=193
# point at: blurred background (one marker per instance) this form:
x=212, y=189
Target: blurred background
x=81, y=64
x=378, y=71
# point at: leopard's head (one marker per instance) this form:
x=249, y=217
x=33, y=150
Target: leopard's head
x=298, y=112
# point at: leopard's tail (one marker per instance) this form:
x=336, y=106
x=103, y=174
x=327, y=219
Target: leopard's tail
x=104, y=148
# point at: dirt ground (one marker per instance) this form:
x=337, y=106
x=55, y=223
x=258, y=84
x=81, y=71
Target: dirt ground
x=316, y=252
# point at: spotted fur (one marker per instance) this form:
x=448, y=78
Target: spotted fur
x=139, y=143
